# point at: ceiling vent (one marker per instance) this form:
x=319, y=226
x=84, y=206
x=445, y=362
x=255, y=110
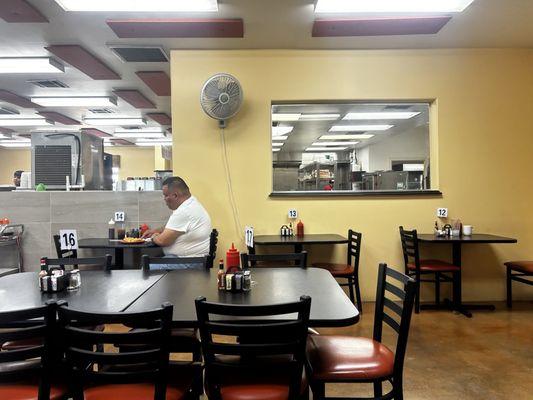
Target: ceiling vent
x=139, y=53
x=8, y=111
x=50, y=84
x=101, y=111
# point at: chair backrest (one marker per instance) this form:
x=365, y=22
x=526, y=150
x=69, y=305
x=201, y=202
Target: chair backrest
x=274, y=260
x=354, y=248
x=213, y=241
x=146, y=261
x=410, y=249
x=271, y=345
x=85, y=347
x=104, y=262
x=396, y=312
x=63, y=253
x=38, y=327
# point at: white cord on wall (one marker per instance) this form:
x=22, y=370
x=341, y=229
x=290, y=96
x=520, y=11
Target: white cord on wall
x=235, y=211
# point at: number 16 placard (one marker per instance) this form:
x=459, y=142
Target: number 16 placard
x=68, y=239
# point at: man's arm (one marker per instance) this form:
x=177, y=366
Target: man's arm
x=166, y=238
x=151, y=232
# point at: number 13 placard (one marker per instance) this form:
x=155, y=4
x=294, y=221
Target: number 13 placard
x=68, y=239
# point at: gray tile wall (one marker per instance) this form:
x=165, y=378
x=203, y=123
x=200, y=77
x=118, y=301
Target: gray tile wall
x=44, y=214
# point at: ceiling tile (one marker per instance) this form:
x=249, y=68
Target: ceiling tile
x=80, y=58
x=135, y=98
x=158, y=81
x=20, y=101
x=57, y=117
x=379, y=26
x=20, y=11
x=177, y=28
x=160, y=118
x=95, y=132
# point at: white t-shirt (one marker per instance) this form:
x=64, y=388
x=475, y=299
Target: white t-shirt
x=192, y=219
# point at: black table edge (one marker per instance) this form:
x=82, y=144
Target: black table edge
x=349, y=193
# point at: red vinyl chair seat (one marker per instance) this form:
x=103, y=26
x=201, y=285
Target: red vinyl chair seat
x=521, y=266
x=134, y=391
x=338, y=358
x=339, y=270
x=434, y=266
x=21, y=391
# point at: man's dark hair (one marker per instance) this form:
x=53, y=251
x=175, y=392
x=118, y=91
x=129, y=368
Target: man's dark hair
x=175, y=183
x=17, y=173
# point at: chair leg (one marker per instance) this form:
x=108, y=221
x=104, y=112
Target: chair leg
x=378, y=389
x=437, y=288
x=319, y=390
x=358, y=295
x=509, y=289
x=417, y=296
x=350, y=287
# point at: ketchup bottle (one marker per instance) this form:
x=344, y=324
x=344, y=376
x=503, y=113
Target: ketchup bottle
x=300, y=229
x=232, y=259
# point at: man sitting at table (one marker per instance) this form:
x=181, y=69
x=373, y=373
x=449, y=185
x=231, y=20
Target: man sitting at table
x=188, y=229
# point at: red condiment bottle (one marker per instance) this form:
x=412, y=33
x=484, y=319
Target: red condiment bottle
x=232, y=259
x=300, y=229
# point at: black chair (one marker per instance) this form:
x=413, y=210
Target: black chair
x=99, y=374
x=350, y=270
x=348, y=359
x=146, y=261
x=26, y=373
x=518, y=271
x=417, y=268
x=104, y=263
x=269, y=365
x=213, y=241
x=274, y=260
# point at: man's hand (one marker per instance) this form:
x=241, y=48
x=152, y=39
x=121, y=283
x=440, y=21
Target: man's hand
x=150, y=232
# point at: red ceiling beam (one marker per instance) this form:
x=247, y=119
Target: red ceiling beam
x=122, y=142
x=158, y=81
x=6, y=130
x=160, y=118
x=20, y=101
x=135, y=98
x=20, y=11
x=379, y=26
x=80, y=58
x=95, y=132
x=177, y=28
x=57, y=117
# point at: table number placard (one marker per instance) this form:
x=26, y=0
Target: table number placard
x=68, y=239
x=249, y=236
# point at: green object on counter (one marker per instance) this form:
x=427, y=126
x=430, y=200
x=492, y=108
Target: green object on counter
x=41, y=187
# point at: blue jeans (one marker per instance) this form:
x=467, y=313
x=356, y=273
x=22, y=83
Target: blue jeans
x=172, y=267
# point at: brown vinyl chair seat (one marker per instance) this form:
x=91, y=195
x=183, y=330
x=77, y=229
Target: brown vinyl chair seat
x=340, y=270
x=434, y=266
x=522, y=266
x=339, y=358
x=28, y=391
x=133, y=391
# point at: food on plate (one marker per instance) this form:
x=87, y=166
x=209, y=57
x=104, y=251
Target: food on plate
x=130, y=240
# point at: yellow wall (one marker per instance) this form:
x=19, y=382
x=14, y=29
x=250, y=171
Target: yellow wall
x=134, y=161
x=12, y=160
x=485, y=138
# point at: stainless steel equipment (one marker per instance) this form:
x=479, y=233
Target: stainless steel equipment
x=76, y=155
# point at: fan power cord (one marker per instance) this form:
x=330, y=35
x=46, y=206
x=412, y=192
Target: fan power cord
x=235, y=211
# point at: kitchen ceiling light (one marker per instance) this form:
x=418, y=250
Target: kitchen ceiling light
x=25, y=122
x=279, y=138
x=81, y=101
x=391, y=6
x=153, y=143
x=114, y=121
x=359, y=128
x=345, y=137
x=140, y=135
x=380, y=115
x=145, y=129
x=281, y=130
x=324, y=148
x=334, y=143
x=275, y=150
x=15, y=144
x=140, y=5
x=277, y=144
x=319, y=117
x=30, y=65
x=285, y=117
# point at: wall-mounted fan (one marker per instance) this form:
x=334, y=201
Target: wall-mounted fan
x=221, y=97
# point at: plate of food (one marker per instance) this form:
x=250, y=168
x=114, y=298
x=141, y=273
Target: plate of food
x=130, y=240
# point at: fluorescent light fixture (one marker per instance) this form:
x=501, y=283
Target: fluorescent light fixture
x=78, y=101
x=153, y=143
x=141, y=135
x=346, y=137
x=275, y=150
x=380, y=115
x=3, y=136
x=280, y=138
x=391, y=6
x=413, y=167
x=30, y=65
x=281, y=130
x=359, y=128
x=334, y=143
x=277, y=144
x=54, y=129
x=285, y=117
x=140, y=5
x=25, y=121
x=15, y=144
x=114, y=121
x=325, y=148
x=142, y=129
x=319, y=117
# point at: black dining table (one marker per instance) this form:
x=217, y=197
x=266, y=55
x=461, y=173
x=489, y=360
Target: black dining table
x=457, y=242
x=116, y=245
x=100, y=291
x=297, y=241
